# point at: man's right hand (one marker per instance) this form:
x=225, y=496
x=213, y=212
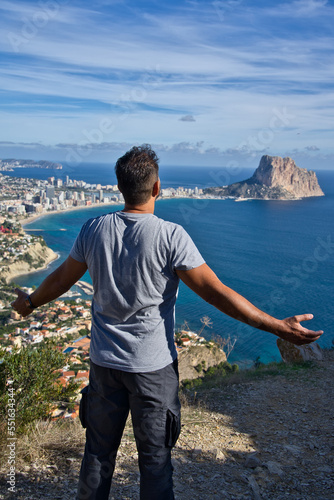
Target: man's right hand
x=20, y=303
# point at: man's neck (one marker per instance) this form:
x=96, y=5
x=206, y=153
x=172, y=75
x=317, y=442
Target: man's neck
x=146, y=208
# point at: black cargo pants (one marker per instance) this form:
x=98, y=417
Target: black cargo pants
x=153, y=401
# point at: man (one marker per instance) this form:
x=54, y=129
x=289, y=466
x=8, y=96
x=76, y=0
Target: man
x=136, y=261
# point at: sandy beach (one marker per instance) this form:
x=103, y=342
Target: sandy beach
x=34, y=217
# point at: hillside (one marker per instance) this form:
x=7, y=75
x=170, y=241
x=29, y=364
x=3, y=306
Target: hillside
x=38, y=256
x=11, y=163
x=275, y=178
x=264, y=434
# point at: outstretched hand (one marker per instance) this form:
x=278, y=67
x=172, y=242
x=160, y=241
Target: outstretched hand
x=295, y=333
x=19, y=304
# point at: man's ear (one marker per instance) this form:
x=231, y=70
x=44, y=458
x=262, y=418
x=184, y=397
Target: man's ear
x=156, y=188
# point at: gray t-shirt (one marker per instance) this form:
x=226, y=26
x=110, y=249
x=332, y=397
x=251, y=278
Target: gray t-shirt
x=132, y=259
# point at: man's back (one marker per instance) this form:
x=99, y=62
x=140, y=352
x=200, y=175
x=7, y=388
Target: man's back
x=132, y=260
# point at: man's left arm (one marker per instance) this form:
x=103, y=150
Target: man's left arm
x=54, y=285
x=203, y=281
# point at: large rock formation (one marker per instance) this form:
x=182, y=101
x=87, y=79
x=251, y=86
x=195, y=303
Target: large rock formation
x=275, y=178
x=275, y=171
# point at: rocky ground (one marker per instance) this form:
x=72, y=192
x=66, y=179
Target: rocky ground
x=266, y=438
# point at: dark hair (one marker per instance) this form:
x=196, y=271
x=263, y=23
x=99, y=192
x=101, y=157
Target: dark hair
x=136, y=172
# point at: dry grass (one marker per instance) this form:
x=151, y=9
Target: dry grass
x=47, y=441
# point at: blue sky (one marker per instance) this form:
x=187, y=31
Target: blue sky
x=206, y=83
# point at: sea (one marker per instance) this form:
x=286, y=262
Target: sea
x=278, y=254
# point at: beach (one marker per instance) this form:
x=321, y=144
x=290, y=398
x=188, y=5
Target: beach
x=32, y=218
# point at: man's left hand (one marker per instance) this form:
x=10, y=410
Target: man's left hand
x=295, y=333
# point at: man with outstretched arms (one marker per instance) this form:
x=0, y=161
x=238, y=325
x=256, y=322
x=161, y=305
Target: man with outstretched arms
x=135, y=261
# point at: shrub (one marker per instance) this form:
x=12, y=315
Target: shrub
x=34, y=381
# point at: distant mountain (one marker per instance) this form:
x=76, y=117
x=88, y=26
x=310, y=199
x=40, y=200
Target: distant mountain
x=275, y=178
x=14, y=163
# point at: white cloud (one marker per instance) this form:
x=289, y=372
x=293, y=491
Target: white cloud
x=143, y=71
x=301, y=8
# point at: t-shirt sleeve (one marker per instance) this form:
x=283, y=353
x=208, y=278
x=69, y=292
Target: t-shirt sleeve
x=185, y=254
x=77, y=251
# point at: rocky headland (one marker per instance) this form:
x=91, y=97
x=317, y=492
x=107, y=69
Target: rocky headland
x=275, y=178
x=10, y=163
x=38, y=257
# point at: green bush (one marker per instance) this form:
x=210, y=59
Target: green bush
x=34, y=382
x=213, y=373
x=27, y=258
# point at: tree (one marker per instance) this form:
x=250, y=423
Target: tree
x=206, y=321
x=31, y=373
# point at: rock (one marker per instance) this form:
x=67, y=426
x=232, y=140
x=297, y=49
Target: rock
x=275, y=178
x=255, y=488
x=196, y=452
x=274, y=468
x=294, y=450
x=219, y=455
x=277, y=172
x=291, y=353
x=189, y=358
x=70, y=461
x=252, y=461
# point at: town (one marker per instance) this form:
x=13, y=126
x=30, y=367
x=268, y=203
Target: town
x=30, y=197
x=67, y=321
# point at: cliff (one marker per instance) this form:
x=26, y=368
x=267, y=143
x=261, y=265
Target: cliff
x=40, y=257
x=275, y=178
x=196, y=359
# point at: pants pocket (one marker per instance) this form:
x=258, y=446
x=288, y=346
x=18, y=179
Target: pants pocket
x=173, y=428
x=83, y=406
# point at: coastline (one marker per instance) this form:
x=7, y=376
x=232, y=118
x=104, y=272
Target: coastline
x=34, y=217
x=52, y=256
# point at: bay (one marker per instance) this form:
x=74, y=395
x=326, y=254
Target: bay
x=278, y=254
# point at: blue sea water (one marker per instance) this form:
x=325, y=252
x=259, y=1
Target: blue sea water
x=278, y=254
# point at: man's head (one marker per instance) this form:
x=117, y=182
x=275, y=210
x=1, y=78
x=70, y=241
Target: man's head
x=137, y=172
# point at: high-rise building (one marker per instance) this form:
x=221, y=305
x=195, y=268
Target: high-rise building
x=50, y=192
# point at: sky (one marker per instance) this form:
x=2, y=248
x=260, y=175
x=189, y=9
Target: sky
x=206, y=83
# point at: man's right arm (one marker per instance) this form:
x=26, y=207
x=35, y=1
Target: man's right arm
x=203, y=281
x=54, y=285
